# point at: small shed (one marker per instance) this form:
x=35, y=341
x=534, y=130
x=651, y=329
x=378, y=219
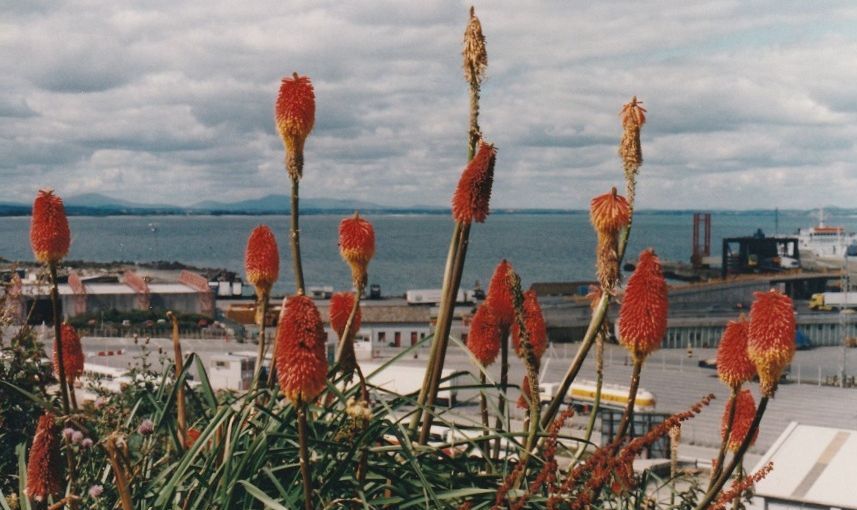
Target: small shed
x=231, y=371
x=814, y=468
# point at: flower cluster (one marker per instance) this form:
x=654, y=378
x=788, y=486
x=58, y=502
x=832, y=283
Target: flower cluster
x=357, y=246
x=733, y=364
x=49, y=233
x=44, y=467
x=745, y=411
x=643, y=316
x=72, y=354
x=262, y=259
x=471, y=198
x=294, y=116
x=301, y=360
x=771, y=337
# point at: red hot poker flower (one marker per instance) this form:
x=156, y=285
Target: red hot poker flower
x=483, y=340
x=294, y=115
x=745, y=411
x=771, y=337
x=357, y=245
x=471, y=198
x=72, y=354
x=262, y=258
x=733, y=364
x=340, y=308
x=499, y=298
x=301, y=360
x=535, y=324
x=609, y=213
x=44, y=468
x=643, y=316
x=49, y=232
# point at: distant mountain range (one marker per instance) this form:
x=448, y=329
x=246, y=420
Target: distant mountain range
x=96, y=204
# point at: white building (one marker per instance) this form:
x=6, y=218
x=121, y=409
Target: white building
x=814, y=468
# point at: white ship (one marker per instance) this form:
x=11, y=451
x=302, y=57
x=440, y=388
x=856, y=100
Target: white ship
x=826, y=244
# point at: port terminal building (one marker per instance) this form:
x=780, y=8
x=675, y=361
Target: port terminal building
x=29, y=299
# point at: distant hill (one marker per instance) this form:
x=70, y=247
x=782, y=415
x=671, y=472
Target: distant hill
x=99, y=201
x=282, y=203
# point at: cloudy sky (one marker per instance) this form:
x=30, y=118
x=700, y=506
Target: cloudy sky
x=751, y=104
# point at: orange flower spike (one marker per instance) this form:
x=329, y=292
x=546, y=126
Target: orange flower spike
x=733, y=364
x=471, y=198
x=535, y=324
x=643, y=316
x=49, y=232
x=745, y=411
x=301, y=361
x=262, y=258
x=771, y=337
x=357, y=245
x=294, y=115
x=499, y=298
x=340, y=308
x=609, y=213
x=44, y=467
x=483, y=340
x=72, y=354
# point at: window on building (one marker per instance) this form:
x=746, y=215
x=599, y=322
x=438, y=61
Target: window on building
x=413, y=337
x=382, y=337
x=397, y=339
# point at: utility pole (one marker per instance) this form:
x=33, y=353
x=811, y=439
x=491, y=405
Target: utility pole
x=845, y=318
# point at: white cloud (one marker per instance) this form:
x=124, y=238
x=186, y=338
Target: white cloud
x=750, y=105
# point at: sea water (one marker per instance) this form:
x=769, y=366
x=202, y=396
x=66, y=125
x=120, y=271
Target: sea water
x=411, y=248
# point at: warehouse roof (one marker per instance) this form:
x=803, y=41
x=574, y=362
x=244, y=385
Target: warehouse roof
x=812, y=466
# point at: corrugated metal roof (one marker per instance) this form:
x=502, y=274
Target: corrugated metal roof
x=814, y=465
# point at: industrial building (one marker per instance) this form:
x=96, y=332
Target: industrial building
x=190, y=293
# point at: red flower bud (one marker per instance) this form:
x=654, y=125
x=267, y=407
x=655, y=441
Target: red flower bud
x=733, y=364
x=294, y=115
x=340, y=308
x=49, y=233
x=357, y=245
x=470, y=201
x=44, y=467
x=262, y=258
x=72, y=354
x=771, y=337
x=745, y=411
x=301, y=360
x=643, y=316
x=499, y=298
x=483, y=340
x=535, y=324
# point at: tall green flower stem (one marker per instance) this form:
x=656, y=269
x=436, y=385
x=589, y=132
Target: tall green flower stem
x=475, y=64
x=721, y=455
x=451, y=284
x=55, y=304
x=180, y=397
x=531, y=365
x=592, y=330
x=599, y=383
x=632, y=398
x=262, y=296
x=345, y=356
x=504, y=385
x=118, y=473
x=295, y=232
x=483, y=413
x=304, y=455
x=736, y=458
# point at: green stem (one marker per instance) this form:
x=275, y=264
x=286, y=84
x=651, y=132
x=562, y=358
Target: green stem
x=591, y=331
x=295, y=236
x=721, y=455
x=345, y=356
x=435, y=346
x=261, y=316
x=629, y=407
x=443, y=329
x=483, y=412
x=55, y=298
x=181, y=417
x=304, y=456
x=504, y=383
x=599, y=383
x=736, y=459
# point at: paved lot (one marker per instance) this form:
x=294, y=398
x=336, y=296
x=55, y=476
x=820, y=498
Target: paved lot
x=675, y=379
